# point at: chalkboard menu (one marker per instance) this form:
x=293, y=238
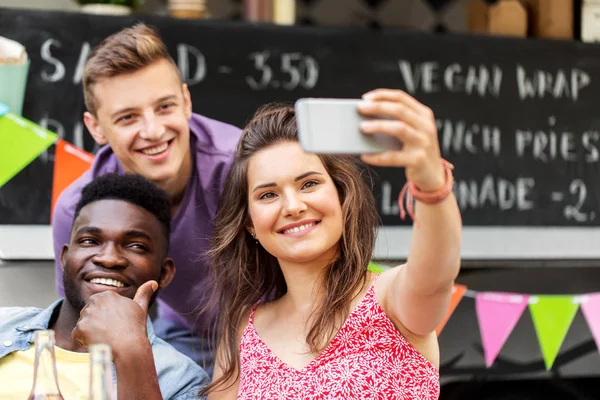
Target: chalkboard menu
x=519, y=119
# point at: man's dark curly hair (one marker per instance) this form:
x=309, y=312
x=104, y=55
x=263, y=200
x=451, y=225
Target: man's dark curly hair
x=133, y=189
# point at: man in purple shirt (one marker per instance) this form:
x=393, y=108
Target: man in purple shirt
x=138, y=107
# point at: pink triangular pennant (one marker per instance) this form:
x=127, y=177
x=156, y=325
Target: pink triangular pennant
x=498, y=313
x=590, y=306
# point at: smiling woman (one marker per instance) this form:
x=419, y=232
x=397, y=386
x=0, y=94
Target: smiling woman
x=301, y=316
x=302, y=187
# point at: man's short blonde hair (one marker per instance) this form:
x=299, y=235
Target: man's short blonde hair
x=124, y=52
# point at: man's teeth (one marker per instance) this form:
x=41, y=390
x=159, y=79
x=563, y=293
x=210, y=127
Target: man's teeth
x=299, y=228
x=156, y=150
x=107, y=282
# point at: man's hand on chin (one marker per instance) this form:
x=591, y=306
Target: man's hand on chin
x=115, y=320
x=120, y=322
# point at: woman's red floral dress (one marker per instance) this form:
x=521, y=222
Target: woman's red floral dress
x=367, y=359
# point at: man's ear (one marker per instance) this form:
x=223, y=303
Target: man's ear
x=92, y=124
x=63, y=257
x=187, y=101
x=167, y=272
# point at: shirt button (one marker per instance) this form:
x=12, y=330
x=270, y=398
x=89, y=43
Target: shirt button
x=7, y=343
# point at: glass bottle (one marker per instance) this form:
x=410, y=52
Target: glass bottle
x=101, y=373
x=45, y=378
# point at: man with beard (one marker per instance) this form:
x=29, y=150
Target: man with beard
x=113, y=266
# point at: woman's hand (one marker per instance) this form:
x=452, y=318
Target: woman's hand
x=414, y=125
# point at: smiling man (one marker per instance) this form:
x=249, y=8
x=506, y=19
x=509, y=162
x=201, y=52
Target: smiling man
x=140, y=111
x=114, y=265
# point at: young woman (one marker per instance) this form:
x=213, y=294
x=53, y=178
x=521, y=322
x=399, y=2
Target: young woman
x=301, y=317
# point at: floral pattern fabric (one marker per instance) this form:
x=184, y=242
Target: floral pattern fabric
x=367, y=359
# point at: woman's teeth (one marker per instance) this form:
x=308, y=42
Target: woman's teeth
x=299, y=228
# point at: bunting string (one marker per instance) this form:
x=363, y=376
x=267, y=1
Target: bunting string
x=499, y=312
x=552, y=315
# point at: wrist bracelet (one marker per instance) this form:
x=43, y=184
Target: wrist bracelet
x=410, y=193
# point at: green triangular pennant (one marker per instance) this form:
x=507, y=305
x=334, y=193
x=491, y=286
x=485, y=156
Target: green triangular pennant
x=21, y=142
x=552, y=316
x=377, y=268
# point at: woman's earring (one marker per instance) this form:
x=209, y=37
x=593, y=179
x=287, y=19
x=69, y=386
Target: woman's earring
x=254, y=237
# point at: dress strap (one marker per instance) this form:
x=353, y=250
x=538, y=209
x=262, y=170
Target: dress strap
x=376, y=276
x=370, y=294
x=252, y=311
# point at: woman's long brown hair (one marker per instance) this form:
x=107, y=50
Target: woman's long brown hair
x=246, y=273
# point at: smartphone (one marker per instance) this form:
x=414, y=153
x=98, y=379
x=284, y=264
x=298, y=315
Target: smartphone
x=331, y=126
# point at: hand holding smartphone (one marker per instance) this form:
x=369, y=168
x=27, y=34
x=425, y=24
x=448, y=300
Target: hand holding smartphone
x=332, y=126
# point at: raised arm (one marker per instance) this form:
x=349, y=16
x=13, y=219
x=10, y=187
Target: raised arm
x=417, y=294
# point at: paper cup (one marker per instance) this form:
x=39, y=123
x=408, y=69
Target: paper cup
x=13, y=82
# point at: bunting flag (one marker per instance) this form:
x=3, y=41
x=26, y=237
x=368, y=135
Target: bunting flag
x=552, y=317
x=458, y=291
x=377, y=268
x=497, y=313
x=70, y=163
x=21, y=142
x=590, y=306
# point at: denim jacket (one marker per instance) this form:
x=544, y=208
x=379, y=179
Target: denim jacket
x=178, y=376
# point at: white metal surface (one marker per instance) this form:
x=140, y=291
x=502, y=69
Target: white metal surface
x=34, y=242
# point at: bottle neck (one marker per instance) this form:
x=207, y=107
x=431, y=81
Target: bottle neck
x=101, y=373
x=45, y=380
